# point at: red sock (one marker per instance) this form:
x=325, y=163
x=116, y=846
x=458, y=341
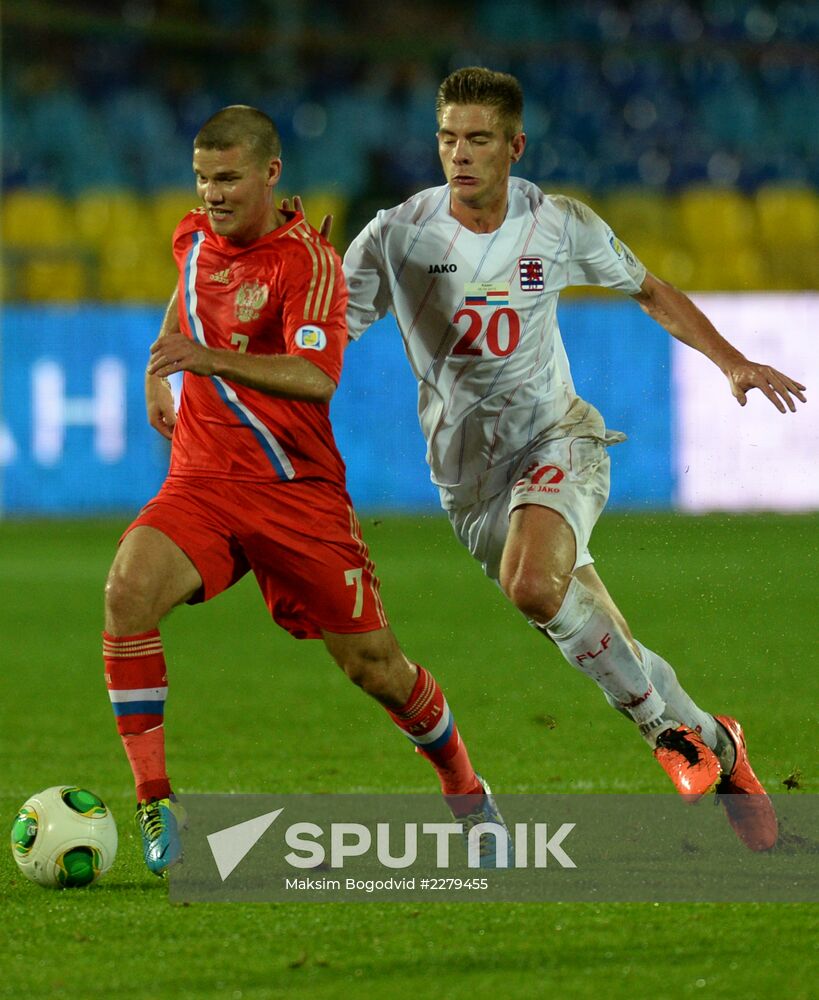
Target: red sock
x=427, y=721
x=138, y=686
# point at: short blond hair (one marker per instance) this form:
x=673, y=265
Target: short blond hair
x=487, y=87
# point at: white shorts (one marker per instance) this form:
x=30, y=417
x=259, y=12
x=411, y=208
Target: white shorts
x=569, y=475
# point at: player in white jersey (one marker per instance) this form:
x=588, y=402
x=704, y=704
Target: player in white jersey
x=472, y=271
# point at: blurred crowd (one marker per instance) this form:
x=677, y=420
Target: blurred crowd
x=663, y=95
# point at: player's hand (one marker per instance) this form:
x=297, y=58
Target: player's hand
x=326, y=226
x=159, y=404
x=777, y=387
x=174, y=352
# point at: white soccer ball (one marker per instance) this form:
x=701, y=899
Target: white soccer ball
x=64, y=837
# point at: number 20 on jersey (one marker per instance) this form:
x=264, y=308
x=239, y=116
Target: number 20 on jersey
x=496, y=334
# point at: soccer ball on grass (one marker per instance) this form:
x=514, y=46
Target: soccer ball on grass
x=64, y=837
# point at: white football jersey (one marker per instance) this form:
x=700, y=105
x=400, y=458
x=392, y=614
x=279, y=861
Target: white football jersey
x=477, y=314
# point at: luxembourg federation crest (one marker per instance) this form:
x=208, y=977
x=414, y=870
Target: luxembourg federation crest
x=530, y=270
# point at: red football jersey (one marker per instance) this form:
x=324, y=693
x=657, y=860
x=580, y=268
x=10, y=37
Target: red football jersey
x=282, y=294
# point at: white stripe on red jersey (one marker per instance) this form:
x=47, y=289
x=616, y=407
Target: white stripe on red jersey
x=282, y=294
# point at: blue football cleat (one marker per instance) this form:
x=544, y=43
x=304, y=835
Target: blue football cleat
x=486, y=811
x=159, y=823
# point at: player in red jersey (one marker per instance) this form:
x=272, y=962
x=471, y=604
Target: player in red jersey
x=257, y=324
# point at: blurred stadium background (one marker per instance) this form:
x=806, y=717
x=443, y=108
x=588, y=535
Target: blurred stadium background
x=692, y=128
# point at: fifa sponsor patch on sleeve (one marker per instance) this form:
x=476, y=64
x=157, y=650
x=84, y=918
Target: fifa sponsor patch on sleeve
x=311, y=338
x=530, y=270
x=621, y=251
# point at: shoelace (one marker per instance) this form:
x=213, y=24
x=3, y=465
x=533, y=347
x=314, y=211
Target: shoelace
x=150, y=819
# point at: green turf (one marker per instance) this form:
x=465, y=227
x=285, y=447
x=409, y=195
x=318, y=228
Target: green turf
x=724, y=598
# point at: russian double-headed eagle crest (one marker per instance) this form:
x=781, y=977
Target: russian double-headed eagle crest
x=251, y=298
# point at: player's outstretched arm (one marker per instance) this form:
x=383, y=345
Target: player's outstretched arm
x=674, y=311
x=158, y=396
x=289, y=376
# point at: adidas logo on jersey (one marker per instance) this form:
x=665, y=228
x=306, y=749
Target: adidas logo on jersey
x=442, y=268
x=223, y=277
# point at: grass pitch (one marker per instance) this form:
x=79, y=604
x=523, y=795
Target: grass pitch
x=250, y=709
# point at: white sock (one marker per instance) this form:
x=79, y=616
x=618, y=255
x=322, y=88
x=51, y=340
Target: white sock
x=662, y=676
x=591, y=641
x=680, y=706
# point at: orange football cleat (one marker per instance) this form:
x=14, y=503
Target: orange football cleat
x=692, y=766
x=750, y=811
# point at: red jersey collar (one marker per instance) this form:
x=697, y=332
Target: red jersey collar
x=292, y=220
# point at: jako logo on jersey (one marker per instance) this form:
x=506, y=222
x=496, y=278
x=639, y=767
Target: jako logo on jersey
x=311, y=338
x=250, y=300
x=442, y=268
x=543, y=481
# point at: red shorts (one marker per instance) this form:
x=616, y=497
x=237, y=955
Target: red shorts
x=301, y=539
